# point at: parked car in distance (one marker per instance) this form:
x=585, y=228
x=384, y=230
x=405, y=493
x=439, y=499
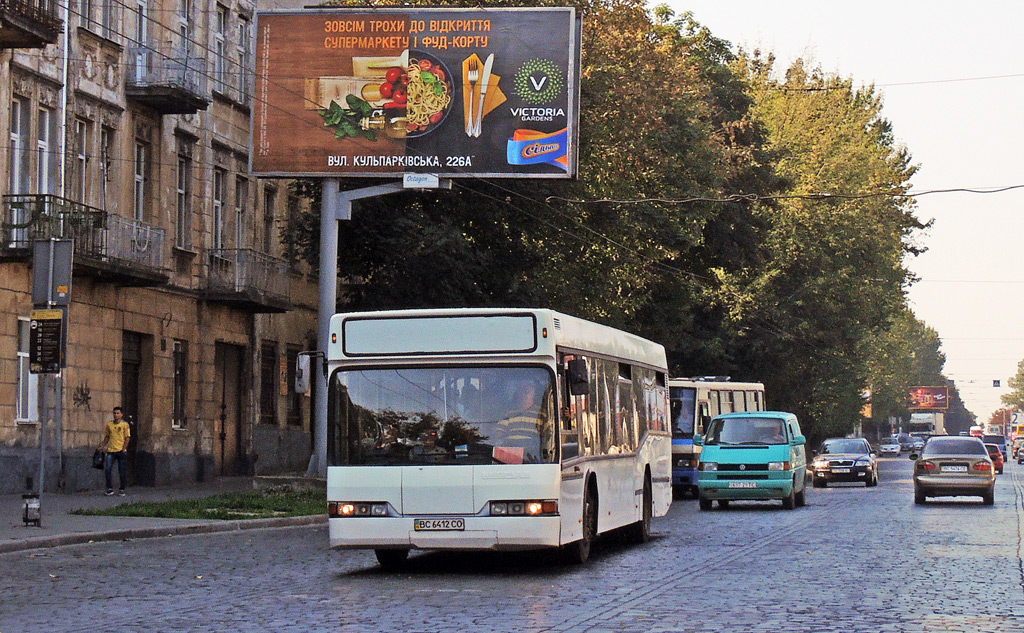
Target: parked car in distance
x=845, y=459
x=1015, y=447
x=996, y=456
x=889, y=446
x=951, y=466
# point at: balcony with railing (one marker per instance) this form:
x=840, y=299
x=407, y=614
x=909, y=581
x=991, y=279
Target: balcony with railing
x=247, y=279
x=29, y=23
x=171, y=81
x=106, y=246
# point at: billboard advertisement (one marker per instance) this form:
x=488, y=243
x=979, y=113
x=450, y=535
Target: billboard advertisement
x=448, y=92
x=929, y=398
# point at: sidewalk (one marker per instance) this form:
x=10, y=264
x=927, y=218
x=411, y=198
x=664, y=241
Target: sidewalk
x=59, y=527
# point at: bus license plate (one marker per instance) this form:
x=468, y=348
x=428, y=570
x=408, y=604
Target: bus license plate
x=421, y=525
x=743, y=484
x=954, y=469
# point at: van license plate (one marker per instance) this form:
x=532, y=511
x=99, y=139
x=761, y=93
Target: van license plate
x=421, y=525
x=743, y=484
x=954, y=469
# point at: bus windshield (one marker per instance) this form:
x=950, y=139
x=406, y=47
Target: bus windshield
x=684, y=400
x=469, y=415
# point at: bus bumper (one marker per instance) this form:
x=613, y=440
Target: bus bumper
x=480, y=533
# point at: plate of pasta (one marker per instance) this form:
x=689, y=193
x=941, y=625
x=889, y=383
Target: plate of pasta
x=425, y=86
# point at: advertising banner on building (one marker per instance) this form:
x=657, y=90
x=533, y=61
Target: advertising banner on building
x=929, y=398
x=448, y=92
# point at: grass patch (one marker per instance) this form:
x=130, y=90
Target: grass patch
x=229, y=506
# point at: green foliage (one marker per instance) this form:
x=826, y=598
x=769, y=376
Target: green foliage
x=1015, y=398
x=230, y=506
x=802, y=291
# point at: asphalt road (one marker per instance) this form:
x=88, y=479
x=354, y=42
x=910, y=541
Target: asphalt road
x=853, y=560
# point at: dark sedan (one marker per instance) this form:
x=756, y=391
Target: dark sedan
x=845, y=459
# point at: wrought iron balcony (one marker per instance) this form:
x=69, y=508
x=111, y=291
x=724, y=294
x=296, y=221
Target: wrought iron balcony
x=107, y=246
x=169, y=81
x=247, y=279
x=29, y=23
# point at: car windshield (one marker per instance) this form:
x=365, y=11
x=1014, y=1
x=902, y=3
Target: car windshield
x=469, y=415
x=746, y=430
x=992, y=449
x=890, y=442
x=954, y=446
x=845, y=446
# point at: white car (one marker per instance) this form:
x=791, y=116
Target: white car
x=890, y=446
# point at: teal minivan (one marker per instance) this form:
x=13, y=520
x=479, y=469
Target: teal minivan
x=755, y=455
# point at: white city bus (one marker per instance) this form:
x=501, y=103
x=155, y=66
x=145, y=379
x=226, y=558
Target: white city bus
x=694, y=402
x=492, y=429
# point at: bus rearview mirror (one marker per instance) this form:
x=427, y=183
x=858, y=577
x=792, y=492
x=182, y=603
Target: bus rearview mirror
x=579, y=383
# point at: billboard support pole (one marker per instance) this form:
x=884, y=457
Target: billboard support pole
x=335, y=206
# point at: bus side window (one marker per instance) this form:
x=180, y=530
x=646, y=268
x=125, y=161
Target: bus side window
x=705, y=417
x=571, y=405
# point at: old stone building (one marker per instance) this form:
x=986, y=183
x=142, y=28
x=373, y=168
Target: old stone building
x=125, y=127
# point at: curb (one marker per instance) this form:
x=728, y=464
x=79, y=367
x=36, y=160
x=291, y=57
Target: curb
x=156, y=532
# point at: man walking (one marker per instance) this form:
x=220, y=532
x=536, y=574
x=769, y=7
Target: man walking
x=115, y=438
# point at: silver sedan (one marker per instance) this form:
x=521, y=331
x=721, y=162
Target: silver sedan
x=954, y=466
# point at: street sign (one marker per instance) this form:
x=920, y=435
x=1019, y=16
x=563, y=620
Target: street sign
x=46, y=341
x=51, y=272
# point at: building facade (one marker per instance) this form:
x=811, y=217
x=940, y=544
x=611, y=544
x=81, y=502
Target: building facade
x=125, y=128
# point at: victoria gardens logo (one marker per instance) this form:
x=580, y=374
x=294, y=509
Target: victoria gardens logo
x=538, y=82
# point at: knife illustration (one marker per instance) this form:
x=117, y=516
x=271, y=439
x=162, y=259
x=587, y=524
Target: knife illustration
x=486, y=79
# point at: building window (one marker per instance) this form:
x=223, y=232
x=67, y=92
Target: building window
x=219, y=177
x=80, y=175
x=46, y=152
x=183, y=229
x=269, y=202
x=107, y=151
x=185, y=22
x=19, y=146
x=179, y=418
x=220, y=48
x=243, y=53
x=108, y=18
x=241, y=202
x=268, y=383
x=141, y=163
x=141, y=21
x=85, y=13
x=27, y=406
x=294, y=398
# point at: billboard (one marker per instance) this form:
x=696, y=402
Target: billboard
x=929, y=398
x=448, y=92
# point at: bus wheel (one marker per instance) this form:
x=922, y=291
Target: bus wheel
x=640, y=532
x=392, y=558
x=579, y=552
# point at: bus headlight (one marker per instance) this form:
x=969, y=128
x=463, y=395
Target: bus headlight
x=524, y=508
x=343, y=509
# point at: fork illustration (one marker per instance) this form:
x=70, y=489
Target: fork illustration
x=472, y=75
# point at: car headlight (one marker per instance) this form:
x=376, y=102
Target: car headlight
x=779, y=466
x=709, y=465
x=863, y=463
x=820, y=464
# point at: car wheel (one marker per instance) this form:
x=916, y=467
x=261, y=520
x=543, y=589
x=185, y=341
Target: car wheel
x=919, y=497
x=989, y=498
x=789, y=502
x=723, y=503
x=801, y=497
x=1000, y=471
x=705, y=504
x=871, y=483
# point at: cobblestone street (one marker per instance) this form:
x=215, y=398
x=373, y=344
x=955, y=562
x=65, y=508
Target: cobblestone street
x=854, y=560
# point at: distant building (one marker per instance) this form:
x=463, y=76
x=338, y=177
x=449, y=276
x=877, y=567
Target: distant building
x=125, y=128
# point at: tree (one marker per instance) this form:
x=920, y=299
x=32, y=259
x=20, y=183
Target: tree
x=1015, y=398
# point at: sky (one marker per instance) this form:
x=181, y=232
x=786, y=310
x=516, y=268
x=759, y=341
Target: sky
x=952, y=80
